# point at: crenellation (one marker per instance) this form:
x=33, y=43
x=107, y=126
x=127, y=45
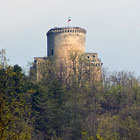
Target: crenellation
x=66, y=30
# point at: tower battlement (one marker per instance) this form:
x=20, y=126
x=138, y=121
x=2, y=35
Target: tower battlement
x=67, y=30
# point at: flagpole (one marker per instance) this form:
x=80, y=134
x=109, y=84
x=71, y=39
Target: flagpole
x=69, y=19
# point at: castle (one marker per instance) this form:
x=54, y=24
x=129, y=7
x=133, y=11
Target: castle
x=60, y=43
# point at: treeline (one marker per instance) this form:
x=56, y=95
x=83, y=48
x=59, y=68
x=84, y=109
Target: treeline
x=68, y=105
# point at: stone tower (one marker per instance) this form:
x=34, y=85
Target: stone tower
x=60, y=41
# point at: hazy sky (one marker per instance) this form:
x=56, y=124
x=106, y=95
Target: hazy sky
x=113, y=28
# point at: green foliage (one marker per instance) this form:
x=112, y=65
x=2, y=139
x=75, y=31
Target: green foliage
x=86, y=137
x=15, y=108
x=48, y=109
x=66, y=102
x=108, y=128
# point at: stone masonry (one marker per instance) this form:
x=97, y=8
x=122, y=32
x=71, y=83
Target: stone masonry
x=62, y=41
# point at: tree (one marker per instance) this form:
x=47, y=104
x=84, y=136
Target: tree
x=14, y=105
x=3, y=59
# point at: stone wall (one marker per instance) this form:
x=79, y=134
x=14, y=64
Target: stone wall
x=96, y=64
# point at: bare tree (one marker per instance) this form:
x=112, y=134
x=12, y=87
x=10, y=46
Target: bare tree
x=3, y=59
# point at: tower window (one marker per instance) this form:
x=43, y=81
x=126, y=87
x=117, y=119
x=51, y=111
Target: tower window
x=52, y=52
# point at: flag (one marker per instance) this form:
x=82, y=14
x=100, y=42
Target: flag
x=69, y=19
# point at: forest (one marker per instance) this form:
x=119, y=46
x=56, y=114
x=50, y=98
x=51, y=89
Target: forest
x=68, y=105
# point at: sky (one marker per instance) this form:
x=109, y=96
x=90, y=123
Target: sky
x=113, y=29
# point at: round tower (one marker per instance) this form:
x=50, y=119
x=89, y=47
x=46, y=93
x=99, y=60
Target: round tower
x=60, y=41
